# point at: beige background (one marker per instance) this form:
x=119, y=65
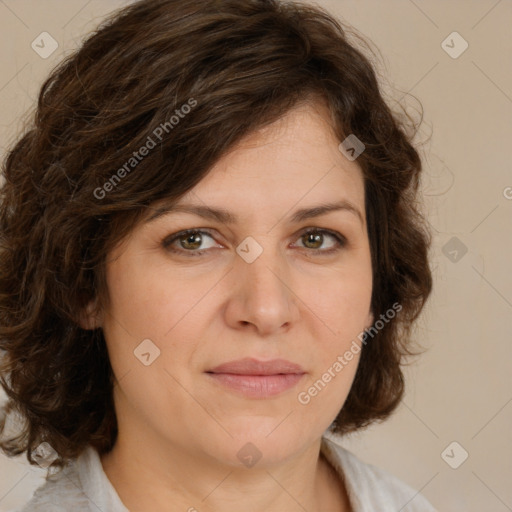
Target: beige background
x=461, y=389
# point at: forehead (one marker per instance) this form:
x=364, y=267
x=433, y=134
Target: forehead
x=292, y=164
x=294, y=157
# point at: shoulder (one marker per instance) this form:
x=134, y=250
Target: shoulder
x=373, y=488
x=60, y=492
x=81, y=486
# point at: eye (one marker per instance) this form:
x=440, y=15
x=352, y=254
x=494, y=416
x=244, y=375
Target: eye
x=189, y=241
x=313, y=238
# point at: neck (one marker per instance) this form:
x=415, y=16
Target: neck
x=149, y=478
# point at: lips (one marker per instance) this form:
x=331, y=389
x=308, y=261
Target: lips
x=255, y=379
x=250, y=366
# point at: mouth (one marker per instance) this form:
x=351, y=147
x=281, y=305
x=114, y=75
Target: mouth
x=257, y=379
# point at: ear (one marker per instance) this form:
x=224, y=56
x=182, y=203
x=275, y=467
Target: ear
x=369, y=320
x=90, y=318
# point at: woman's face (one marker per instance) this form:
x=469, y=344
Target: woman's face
x=256, y=287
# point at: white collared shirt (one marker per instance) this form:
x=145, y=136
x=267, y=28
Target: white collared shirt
x=83, y=486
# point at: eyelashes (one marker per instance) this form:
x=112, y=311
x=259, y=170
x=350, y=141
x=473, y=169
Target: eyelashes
x=195, y=236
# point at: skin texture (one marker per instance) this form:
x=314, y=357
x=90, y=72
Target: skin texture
x=179, y=431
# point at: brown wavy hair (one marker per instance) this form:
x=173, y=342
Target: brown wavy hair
x=245, y=63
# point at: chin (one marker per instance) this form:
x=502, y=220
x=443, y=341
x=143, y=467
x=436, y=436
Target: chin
x=258, y=442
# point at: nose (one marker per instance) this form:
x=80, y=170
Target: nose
x=262, y=297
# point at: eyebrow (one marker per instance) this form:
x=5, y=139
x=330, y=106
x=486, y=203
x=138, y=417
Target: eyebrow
x=226, y=217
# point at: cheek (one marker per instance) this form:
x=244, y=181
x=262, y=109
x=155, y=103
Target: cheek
x=150, y=313
x=342, y=309
x=343, y=304
x=341, y=314
x=149, y=301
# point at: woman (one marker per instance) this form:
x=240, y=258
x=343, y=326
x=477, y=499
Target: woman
x=211, y=258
